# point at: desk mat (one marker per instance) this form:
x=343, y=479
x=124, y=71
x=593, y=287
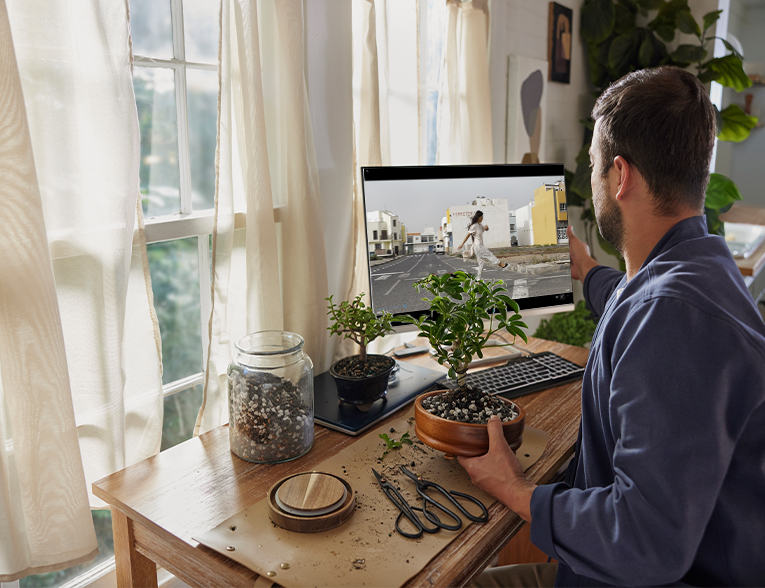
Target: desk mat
x=365, y=551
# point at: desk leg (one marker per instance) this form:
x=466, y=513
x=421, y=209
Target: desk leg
x=134, y=570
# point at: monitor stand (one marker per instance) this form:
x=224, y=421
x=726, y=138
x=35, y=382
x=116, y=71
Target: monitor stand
x=411, y=381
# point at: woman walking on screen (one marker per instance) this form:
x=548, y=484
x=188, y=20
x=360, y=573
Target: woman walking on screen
x=483, y=255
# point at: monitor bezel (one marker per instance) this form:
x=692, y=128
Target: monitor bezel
x=532, y=306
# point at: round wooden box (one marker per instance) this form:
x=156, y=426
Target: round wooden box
x=311, y=502
x=465, y=439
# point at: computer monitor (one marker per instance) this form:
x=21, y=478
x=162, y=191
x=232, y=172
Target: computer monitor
x=416, y=217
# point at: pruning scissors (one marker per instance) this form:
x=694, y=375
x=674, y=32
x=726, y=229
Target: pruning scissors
x=406, y=511
x=423, y=485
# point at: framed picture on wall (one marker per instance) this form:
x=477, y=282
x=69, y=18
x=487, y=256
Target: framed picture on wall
x=559, y=43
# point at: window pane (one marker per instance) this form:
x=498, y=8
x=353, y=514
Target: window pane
x=174, y=267
x=200, y=24
x=151, y=29
x=160, y=175
x=202, y=92
x=102, y=520
x=181, y=411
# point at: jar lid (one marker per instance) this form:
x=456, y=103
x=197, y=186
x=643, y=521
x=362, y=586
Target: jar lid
x=265, y=343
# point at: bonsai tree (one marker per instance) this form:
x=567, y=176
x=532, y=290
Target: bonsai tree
x=455, y=329
x=357, y=322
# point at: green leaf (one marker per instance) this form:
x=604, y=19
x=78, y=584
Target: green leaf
x=686, y=23
x=731, y=72
x=709, y=76
x=624, y=21
x=710, y=18
x=645, y=54
x=666, y=32
x=686, y=54
x=650, y=4
x=621, y=53
x=715, y=226
x=598, y=19
x=736, y=124
x=721, y=192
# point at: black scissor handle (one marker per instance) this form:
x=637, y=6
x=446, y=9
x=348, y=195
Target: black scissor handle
x=433, y=518
x=485, y=513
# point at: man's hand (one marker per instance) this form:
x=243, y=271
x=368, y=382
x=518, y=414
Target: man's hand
x=500, y=473
x=581, y=260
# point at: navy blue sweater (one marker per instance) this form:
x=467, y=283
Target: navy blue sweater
x=667, y=485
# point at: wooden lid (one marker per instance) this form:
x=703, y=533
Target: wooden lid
x=312, y=491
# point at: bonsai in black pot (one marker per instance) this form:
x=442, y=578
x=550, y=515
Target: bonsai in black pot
x=360, y=379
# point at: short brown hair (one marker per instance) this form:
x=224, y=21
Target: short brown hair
x=663, y=123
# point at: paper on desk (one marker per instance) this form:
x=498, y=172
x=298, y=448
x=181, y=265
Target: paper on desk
x=365, y=551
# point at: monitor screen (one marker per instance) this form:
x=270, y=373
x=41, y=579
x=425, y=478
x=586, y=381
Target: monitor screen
x=417, y=217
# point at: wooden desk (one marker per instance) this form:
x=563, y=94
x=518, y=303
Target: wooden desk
x=160, y=503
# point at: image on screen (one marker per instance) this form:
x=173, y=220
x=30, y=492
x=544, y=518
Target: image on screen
x=417, y=218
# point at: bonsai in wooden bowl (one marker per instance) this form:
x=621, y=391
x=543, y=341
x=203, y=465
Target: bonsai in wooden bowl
x=465, y=312
x=457, y=437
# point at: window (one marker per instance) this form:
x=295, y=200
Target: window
x=563, y=207
x=394, y=222
x=374, y=235
x=175, y=79
x=433, y=18
x=384, y=235
x=512, y=227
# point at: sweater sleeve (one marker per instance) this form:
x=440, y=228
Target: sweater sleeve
x=673, y=415
x=599, y=284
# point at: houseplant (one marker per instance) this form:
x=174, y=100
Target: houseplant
x=626, y=35
x=454, y=421
x=363, y=378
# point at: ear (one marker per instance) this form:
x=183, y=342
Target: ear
x=623, y=175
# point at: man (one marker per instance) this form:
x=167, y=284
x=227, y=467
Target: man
x=667, y=486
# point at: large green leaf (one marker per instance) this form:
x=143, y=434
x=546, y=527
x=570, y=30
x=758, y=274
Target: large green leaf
x=598, y=19
x=686, y=23
x=572, y=197
x=731, y=72
x=721, y=192
x=650, y=4
x=621, y=54
x=624, y=21
x=686, y=54
x=736, y=124
x=710, y=18
x=709, y=76
x=645, y=54
x=666, y=32
x=714, y=225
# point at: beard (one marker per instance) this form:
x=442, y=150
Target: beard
x=608, y=215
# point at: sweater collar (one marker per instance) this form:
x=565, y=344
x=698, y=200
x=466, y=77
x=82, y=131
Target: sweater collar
x=687, y=229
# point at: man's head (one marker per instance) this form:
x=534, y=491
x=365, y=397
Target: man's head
x=662, y=123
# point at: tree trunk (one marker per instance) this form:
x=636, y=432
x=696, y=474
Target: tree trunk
x=461, y=373
x=363, y=353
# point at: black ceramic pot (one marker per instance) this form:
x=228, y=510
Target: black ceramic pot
x=363, y=391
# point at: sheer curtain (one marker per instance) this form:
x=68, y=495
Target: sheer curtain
x=81, y=375
x=371, y=142
x=464, y=103
x=273, y=274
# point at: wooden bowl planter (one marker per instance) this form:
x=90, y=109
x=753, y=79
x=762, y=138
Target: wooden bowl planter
x=362, y=391
x=465, y=439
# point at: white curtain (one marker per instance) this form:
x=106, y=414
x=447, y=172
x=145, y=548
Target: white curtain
x=273, y=275
x=464, y=101
x=79, y=347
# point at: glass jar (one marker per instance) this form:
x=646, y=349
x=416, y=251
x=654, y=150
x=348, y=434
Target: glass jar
x=270, y=398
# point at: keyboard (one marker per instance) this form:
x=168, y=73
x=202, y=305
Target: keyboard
x=524, y=375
